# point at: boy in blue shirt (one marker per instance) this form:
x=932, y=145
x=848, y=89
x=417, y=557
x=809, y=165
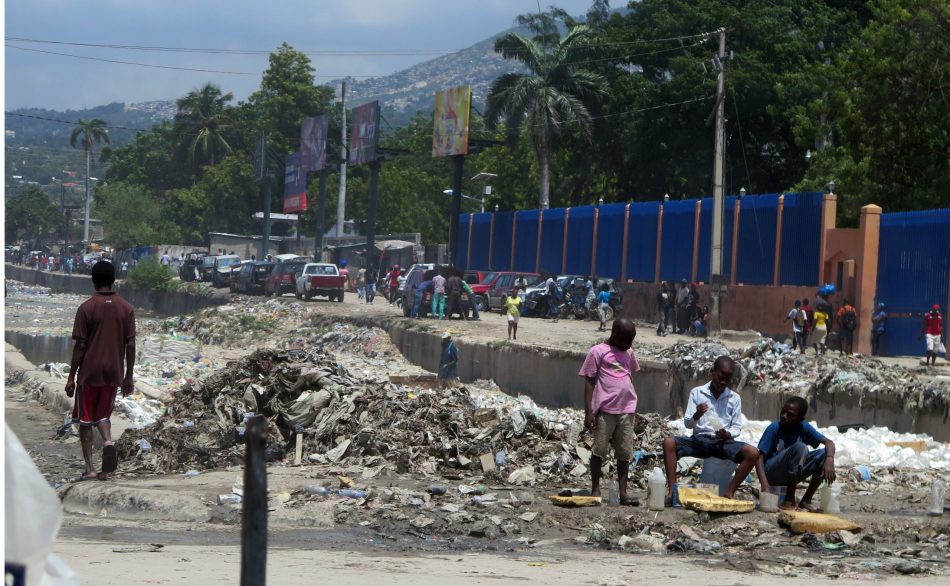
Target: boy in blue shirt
x=786, y=460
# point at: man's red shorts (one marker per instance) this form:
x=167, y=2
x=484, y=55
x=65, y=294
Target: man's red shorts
x=93, y=404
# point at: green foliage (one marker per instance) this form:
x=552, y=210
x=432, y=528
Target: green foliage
x=134, y=216
x=30, y=214
x=201, y=124
x=554, y=94
x=150, y=274
x=88, y=134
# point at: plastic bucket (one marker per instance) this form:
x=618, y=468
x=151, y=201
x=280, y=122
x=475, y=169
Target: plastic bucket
x=768, y=502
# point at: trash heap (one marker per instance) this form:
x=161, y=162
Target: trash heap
x=351, y=421
x=235, y=324
x=773, y=367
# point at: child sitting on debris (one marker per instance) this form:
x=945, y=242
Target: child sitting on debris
x=786, y=460
x=610, y=403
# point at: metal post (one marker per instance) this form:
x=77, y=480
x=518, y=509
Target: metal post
x=458, y=164
x=715, y=264
x=593, y=244
x=265, y=240
x=321, y=217
x=86, y=205
x=567, y=219
x=777, y=270
x=468, y=251
x=341, y=201
x=254, y=513
x=623, y=252
x=371, y=215
x=537, y=247
x=491, y=241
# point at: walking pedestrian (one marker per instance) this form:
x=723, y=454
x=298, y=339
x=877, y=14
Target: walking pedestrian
x=663, y=304
x=393, y=281
x=821, y=330
x=345, y=273
x=878, y=327
x=553, y=293
x=603, y=306
x=103, y=358
x=512, y=313
x=798, y=322
x=438, y=296
x=809, y=323
x=448, y=362
x=361, y=284
x=370, y=284
x=682, y=298
x=610, y=403
x=933, y=330
x=847, y=323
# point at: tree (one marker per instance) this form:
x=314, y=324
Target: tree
x=886, y=113
x=88, y=134
x=202, y=123
x=30, y=214
x=133, y=216
x=554, y=94
x=288, y=95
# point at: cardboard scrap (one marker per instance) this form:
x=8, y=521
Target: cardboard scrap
x=488, y=463
x=804, y=522
x=575, y=501
x=916, y=445
x=699, y=499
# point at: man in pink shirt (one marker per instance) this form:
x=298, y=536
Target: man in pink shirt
x=610, y=402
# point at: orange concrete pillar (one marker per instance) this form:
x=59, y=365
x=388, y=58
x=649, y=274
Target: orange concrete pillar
x=468, y=253
x=829, y=218
x=659, y=245
x=870, y=231
x=567, y=216
x=699, y=205
x=623, y=253
x=514, y=232
x=537, y=253
x=593, y=246
x=733, y=269
x=491, y=240
x=777, y=278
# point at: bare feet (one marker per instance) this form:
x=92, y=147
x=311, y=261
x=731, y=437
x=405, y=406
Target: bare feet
x=788, y=506
x=807, y=507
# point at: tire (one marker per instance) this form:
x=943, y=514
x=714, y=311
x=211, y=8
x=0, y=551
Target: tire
x=482, y=304
x=609, y=314
x=339, y=296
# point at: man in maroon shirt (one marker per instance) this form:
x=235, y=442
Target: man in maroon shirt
x=933, y=330
x=104, y=331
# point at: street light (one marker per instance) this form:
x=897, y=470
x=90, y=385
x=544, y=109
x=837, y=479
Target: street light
x=742, y=192
x=666, y=197
x=831, y=186
x=486, y=179
x=600, y=202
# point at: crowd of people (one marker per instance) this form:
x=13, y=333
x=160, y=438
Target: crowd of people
x=680, y=311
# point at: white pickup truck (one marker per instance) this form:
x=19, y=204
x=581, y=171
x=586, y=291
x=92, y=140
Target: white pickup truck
x=323, y=279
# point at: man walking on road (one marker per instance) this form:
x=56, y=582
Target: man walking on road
x=104, y=334
x=847, y=323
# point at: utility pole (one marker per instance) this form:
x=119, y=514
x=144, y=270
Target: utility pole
x=264, y=178
x=320, y=217
x=341, y=201
x=458, y=165
x=715, y=264
x=85, y=218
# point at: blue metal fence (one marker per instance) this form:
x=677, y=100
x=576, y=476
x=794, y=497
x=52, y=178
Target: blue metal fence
x=913, y=274
x=756, y=240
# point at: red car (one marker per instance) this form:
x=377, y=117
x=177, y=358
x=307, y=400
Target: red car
x=283, y=278
x=481, y=287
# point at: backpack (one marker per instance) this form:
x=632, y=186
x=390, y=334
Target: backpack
x=849, y=319
x=800, y=318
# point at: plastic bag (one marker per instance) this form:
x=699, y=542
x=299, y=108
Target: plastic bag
x=33, y=517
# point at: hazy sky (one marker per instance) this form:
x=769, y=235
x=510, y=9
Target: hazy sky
x=60, y=82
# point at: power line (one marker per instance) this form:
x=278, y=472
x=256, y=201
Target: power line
x=132, y=62
x=335, y=52
x=73, y=123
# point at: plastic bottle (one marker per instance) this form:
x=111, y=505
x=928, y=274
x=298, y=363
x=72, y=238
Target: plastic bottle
x=351, y=493
x=712, y=420
x=829, y=498
x=656, y=490
x=613, y=493
x=936, y=498
x=436, y=489
x=317, y=490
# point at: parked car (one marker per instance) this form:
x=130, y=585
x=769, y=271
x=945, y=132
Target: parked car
x=320, y=279
x=412, y=280
x=207, y=267
x=250, y=279
x=505, y=282
x=281, y=279
x=477, y=277
x=224, y=265
x=480, y=290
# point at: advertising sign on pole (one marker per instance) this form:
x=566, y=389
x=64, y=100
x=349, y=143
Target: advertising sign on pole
x=295, y=185
x=453, y=109
x=313, y=143
x=364, y=137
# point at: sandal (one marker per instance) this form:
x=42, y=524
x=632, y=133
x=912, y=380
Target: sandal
x=630, y=502
x=110, y=459
x=87, y=476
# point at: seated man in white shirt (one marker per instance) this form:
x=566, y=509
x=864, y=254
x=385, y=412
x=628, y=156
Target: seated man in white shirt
x=714, y=413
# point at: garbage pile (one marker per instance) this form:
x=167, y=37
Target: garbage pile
x=351, y=421
x=237, y=323
x=20, y=289
x=773, y=367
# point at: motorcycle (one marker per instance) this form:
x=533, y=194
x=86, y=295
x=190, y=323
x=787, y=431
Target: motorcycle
x=538, y=304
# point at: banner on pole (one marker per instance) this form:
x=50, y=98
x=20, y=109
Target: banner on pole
x=453, y=108
x=313, y=143
x=295, y=185
x=364, y=136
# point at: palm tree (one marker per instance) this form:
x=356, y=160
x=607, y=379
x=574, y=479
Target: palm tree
x=202, y=117
x=87, y=134
x=554, y=93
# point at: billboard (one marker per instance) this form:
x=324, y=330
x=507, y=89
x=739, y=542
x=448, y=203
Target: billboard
x=313, y=143
x=453, y=108
x=295, y=185
x=365, y=134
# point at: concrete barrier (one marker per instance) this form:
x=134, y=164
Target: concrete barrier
x=163, y=303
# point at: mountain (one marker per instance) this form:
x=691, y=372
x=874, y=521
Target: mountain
x=404, y=93
x=37, y=126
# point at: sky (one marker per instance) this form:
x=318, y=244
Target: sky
x=43, y=80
